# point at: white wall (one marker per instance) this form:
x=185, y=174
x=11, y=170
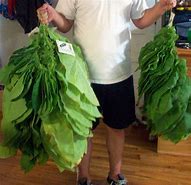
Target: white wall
x=12, y=37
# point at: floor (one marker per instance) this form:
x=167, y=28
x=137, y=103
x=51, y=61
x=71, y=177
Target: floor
x=142, y=165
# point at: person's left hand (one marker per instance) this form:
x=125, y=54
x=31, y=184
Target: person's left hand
x=167, y=4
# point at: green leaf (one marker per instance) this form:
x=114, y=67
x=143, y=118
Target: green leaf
x=27, y=163
x=36, y=94
x=43, y=157
x=12, y=110
x=6, y=152
x=4, y=74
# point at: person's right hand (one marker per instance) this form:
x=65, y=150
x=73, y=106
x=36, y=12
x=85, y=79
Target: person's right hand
x=46, y=13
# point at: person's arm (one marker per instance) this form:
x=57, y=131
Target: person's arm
x=152, y=14
x=48, y=14
x=63, y=24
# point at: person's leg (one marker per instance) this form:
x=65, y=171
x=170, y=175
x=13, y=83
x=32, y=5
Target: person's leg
x=118, y=114
x=115, y=144
x=84, y=166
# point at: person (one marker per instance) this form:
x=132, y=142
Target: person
x=101, y=28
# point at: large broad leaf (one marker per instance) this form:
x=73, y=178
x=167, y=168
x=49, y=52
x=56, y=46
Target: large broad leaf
x=62, y=141
x=181, y=131
x=76, y=75
x=73, y=105
x=5, y=72
x=12, y=109
x=76, y=70
x=78, y=128
x=48, y=104
x=17, y=88
x=73, y=93
x=166, y=87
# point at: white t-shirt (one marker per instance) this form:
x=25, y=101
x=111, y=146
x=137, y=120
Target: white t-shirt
x=101, y=28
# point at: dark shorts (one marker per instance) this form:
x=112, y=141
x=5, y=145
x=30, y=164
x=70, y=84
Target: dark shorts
x=117, y=103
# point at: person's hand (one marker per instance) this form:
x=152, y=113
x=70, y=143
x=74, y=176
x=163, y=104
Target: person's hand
x=167, y=4
x=46, y=13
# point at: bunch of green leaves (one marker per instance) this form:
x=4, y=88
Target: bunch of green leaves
x=48, y=103
x=166, y=87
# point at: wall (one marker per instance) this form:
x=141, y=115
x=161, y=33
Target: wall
x=12, y=37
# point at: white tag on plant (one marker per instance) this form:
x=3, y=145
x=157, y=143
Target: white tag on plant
x=65, y=47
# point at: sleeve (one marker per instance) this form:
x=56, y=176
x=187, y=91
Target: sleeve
x=67, y=8
x=138, y=9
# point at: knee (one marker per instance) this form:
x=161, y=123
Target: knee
x=117, y=132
